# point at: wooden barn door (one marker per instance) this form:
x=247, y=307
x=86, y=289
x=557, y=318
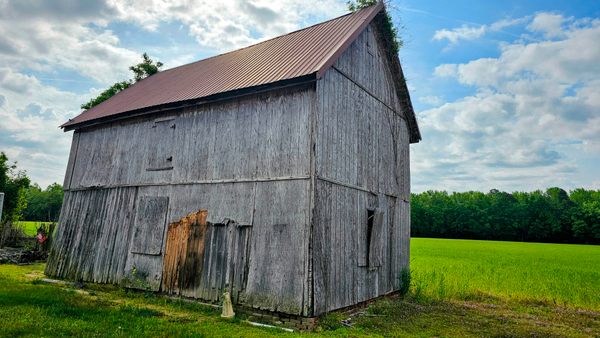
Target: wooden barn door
x=143, y=267
x=202, y=259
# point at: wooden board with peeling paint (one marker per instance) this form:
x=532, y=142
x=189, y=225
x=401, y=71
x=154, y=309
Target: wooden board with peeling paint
x=203, y=260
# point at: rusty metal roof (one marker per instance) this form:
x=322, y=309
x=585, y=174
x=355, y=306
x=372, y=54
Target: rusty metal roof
x=311, y=50
x=302, y=55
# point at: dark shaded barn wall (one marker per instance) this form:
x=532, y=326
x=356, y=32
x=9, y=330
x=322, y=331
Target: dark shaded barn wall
x=247, y=160
x=362, y=164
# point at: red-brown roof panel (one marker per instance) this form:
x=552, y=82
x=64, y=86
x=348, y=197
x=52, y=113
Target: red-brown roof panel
x=311, y=50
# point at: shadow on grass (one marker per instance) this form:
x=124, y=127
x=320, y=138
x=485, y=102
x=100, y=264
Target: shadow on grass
x=481, y=315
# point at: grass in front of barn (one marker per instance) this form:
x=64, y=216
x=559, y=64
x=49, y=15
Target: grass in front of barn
x=479, y=297
x=31, y=308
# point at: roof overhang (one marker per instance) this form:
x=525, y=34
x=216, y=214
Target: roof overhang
x=399, y=80
x=225, y=96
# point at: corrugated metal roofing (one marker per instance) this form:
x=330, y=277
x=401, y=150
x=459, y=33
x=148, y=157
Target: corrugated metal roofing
x=311, y=50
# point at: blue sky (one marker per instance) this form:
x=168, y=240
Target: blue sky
x=506, y=92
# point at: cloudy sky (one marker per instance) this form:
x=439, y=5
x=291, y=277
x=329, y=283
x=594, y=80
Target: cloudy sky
x=507, y=93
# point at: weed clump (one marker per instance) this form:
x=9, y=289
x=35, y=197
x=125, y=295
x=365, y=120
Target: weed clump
x=405, y=280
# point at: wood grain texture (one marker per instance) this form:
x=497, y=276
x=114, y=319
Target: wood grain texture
x=260, y=137
x=361, y=163
x=92, y=239
x=276, y=277
x=184, y=252
x=71, y=162
x=150, y=218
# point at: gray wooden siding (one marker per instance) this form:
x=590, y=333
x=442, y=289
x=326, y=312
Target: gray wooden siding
x=364, y=63
x=71, y=162
x=339, y=237
x=240, y=160
x=254, y=138
x=92, y=239
x=362, y=162
x=361, y=141
x=277, y=278
x=297, y=169
x=96, y=242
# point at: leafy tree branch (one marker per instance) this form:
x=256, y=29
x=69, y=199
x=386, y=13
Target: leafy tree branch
x=140, y=71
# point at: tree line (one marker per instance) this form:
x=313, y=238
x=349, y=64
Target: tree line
x=24, y=200
x=553, y=215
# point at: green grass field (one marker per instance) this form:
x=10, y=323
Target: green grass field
x=562, y=274
x=460, y=289
x=30, y=227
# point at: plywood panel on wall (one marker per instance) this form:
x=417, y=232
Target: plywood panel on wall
x=150, y=221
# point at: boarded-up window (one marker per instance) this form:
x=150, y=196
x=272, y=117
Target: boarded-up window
x=150, y=219
x=160, y=152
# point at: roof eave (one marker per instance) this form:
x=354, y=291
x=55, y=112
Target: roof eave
x=224, y=96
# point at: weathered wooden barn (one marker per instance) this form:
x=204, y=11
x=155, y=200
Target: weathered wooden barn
x=297, y=151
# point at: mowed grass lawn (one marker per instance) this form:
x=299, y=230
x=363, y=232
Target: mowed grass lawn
x=460, y=288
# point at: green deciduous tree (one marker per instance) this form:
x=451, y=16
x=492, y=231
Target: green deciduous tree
x=43, y=205
x=13, y=183
x=553, y=215
x=140, y=71
x=145, y=68
x=106, y=94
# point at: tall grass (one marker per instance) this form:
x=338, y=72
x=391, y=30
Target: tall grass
x=562, y=274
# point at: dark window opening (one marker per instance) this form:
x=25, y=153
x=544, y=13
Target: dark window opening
x=370, y=219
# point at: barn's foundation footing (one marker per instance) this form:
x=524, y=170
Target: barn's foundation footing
x=279, y=319
x=295, y=322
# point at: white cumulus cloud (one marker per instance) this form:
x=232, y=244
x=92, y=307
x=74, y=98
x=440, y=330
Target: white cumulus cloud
x=532, y=122
x=66, y=41
x=473, y=32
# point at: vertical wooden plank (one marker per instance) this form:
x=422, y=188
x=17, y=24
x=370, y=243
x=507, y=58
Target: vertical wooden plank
x=319, y=254
x=85, y=240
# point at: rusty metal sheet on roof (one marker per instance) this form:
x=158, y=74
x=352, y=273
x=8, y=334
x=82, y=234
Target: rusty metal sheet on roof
x=311, y=50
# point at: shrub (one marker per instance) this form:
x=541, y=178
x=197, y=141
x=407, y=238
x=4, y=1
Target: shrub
x=10, y=234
